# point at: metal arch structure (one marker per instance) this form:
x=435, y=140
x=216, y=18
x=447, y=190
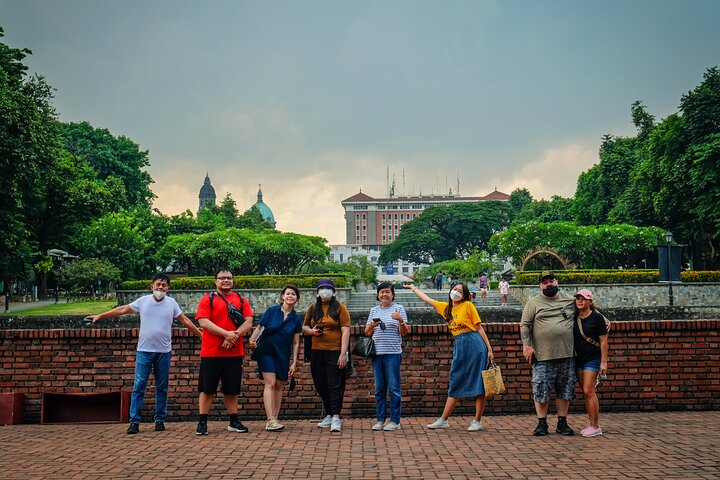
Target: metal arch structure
x=567, y=264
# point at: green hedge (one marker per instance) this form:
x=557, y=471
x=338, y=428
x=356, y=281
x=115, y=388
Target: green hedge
x=245, y=282
x=584, y=277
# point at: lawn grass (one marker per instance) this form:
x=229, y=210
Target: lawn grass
x=73, y=308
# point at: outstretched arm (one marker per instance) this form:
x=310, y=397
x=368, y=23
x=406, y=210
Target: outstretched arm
x=421, y=295
x=115, y=312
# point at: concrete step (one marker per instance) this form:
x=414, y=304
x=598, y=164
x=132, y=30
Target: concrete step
x=363, y=301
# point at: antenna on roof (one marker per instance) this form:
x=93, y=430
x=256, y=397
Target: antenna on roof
x=457, y=190
x=403, y=190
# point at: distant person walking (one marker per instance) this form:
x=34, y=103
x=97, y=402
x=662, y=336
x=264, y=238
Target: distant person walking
x=226, y=318
x=483, y=286
x=154, y=348
x=592, y=349
x=439, y=280
x=504, y=289
x=471, y=352
x=279, y=333
x=328, y=322
x=387, y=324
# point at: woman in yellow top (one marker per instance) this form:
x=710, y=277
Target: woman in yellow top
x=470, y=355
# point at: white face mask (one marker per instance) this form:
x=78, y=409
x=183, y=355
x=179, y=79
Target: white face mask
x=455, y=295
x=159, y=294
x=325, y=293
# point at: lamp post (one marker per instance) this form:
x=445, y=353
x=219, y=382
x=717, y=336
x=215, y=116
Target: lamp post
x=668, y=240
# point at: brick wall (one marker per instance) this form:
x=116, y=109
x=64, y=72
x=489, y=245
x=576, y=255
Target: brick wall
x=654, y=365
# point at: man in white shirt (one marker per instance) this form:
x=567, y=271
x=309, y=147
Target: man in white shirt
x=154, y=350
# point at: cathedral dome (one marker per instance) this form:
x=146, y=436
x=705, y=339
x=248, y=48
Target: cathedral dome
x=265, y=211
x=207, y=194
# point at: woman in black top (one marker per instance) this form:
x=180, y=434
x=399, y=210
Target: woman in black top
x=591, y=350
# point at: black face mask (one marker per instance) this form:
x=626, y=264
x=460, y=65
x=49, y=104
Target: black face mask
x=550, y=291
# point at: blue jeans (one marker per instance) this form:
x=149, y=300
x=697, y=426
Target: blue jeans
x=386, y=369
x=159, y=364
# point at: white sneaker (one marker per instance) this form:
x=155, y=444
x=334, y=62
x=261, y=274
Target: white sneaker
x=439, y=423
x=475, y=425
x=336, y=424
x=392, y=426
x=325, y=422
x=378, y=426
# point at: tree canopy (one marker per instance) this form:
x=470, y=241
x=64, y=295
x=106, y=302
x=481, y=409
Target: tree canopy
x=448, y=232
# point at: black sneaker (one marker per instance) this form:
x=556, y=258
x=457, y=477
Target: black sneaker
x=201, y=428
x=237, y=427
x=564, y=429
x=133, y=428
x=541, y=429
x=159, y=426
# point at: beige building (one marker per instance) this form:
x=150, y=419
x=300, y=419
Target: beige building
x=373, y=222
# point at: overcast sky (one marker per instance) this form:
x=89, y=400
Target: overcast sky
x=316, y=99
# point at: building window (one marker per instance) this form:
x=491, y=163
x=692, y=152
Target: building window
x=364, y=227
x=414, y=216
x=402, y=216
x=357, y=216
x=341, y=258
x=396, y=216
x=383, y=216
x=357, y=227
x=363, y=216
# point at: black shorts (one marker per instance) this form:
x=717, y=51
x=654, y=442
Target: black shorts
x=214, y=370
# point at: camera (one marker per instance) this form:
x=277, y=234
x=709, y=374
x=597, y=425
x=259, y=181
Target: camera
x=382, y=324
x=88, y=321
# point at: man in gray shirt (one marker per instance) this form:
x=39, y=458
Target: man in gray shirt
x=546, y=330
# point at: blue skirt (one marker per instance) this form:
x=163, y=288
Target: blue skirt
x=469, y=359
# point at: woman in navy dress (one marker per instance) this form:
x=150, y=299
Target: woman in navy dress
x=278, y=331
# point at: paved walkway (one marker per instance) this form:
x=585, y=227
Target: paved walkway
x=20, y=306
x=636, y=445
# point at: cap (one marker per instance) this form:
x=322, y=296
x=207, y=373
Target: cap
x=326, y=283
x=546, y=274
x=585, y=293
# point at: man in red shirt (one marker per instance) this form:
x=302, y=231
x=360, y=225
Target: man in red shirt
x=226, y=318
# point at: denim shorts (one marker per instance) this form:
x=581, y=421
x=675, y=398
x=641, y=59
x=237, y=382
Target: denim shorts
x=592, y=365
x=556, y=374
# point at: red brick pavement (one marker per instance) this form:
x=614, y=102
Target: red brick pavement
x=635, y=445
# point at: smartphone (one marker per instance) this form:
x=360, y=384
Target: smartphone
x=320, y=329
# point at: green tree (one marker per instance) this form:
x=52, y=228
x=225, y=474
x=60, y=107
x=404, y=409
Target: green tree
x=558, y=209
x=120, y=239
x=111, y=156
x=28, y=148
x=444, y=233
x=600, y=187
x=87, y=273
x=593, y=246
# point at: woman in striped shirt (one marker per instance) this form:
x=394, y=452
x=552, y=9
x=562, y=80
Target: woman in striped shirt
x=386, y=324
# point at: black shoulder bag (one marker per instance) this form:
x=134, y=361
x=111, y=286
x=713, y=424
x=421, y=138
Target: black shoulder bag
x=234, y=313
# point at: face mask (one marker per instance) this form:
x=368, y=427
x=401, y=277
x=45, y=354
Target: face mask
x=159, y=294
x=455, y=295
x=325, y=293
x=550, y=291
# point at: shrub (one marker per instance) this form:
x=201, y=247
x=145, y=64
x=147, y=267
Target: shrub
x=242, y=282
x=582, y=277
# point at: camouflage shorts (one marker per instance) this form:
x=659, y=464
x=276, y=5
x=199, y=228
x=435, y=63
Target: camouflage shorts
x=554, y=374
